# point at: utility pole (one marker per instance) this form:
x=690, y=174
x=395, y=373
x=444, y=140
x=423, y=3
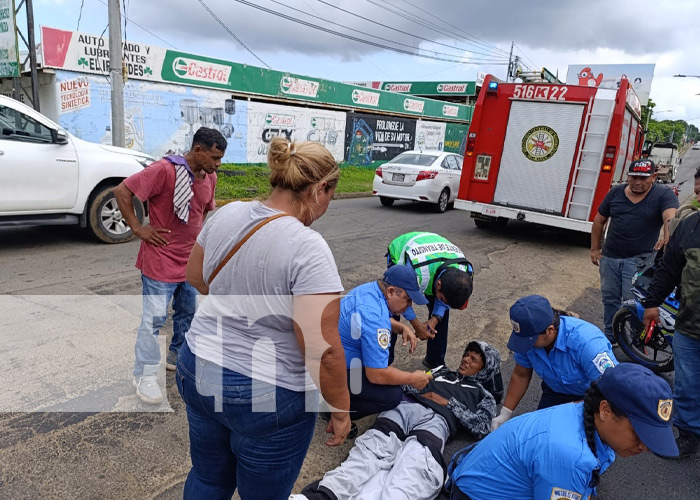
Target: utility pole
x=510, y=61
x=32, y=55
x=115, y=73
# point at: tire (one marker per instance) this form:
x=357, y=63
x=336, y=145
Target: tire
x=443, y=201
x=387, y=202
x=105, y=222
x=628, y=329
x=500, y=223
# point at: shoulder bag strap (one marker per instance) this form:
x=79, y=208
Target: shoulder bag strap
x=238, y=245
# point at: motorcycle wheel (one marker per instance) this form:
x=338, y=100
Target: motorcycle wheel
x=628, y=330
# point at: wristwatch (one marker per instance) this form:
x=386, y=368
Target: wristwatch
x=439, y=318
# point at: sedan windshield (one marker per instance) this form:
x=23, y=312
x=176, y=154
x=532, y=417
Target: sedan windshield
x=414, y=159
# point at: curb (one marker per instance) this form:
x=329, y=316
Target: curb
x=337, y=196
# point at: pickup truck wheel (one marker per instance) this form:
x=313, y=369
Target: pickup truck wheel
x=105, y=221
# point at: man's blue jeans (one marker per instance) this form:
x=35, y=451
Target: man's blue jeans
x=156, y=298
x=686, y=392
x=616, y=284
x=244, y=434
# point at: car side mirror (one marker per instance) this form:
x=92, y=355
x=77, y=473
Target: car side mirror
x=60, y=137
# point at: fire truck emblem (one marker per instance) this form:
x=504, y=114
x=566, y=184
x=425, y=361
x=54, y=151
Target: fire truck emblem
x=540, y=143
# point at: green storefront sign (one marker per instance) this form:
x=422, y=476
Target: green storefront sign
x=183, y=68
x=431, y=88
x=455, y=137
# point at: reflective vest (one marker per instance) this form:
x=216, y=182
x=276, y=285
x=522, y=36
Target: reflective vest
x=429, y=254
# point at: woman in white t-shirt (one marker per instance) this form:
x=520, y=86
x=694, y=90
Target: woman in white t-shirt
x=270, y=313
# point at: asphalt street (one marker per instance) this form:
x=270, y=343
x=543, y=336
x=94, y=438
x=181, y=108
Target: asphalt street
x=71, y=427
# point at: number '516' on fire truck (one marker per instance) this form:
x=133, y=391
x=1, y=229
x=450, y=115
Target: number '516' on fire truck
x=547, y=153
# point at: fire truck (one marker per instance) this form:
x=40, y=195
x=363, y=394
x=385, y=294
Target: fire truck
x=547, y=153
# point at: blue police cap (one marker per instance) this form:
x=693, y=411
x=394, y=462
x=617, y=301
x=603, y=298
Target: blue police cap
x=405, y=277
x=529, y=316
x=647, y=401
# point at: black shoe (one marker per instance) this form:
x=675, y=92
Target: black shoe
x=688, y=443
x=611, y=339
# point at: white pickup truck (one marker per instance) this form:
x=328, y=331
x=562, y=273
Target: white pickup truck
x=49, y=177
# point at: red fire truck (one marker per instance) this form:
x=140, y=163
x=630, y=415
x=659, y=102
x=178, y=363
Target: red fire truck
x=547, y=153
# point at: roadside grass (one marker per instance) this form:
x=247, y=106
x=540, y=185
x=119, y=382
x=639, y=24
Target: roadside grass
x=252, y=181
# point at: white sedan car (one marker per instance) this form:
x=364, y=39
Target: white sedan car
x=427, y=176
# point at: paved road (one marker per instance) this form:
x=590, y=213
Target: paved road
x=70, y=309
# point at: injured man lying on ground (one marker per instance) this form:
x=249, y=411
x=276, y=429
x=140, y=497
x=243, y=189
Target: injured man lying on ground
x=400, y=456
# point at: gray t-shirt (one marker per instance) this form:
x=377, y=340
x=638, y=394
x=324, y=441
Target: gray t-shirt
x=245, y=324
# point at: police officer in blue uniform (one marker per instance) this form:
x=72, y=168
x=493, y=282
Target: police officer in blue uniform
x=559, y=453
x=365, y=327
x=567, y=353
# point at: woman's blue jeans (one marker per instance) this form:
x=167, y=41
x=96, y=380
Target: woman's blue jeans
x=244, y=434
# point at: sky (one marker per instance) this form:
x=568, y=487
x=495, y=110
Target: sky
x=471, y=35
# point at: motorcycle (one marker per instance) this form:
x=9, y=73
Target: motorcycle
x=653, y=348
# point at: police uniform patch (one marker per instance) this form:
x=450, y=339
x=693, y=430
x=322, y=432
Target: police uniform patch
x=562, y=494
x=383, y=338
x=515, y=325
x=665, y=409
x=602, y=361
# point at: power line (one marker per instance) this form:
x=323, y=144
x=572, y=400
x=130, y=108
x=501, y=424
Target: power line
x=126, y=19
x=352, y=46
x=363, y=32
x=145, y=29
x=80, y=14
x=469, y=36
x=398, y=30
x=534, y=66
x=343, y=35
x=232, y=34
x=426, y=24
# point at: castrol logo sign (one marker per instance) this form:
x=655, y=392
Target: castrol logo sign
x=451, y=88
x=200, y=71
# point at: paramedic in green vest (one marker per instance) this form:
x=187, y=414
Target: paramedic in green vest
x=444, y=276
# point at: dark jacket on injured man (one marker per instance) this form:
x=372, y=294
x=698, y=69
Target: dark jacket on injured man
x=472, y=399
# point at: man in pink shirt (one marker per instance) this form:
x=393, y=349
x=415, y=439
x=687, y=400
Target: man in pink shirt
x=179, y=191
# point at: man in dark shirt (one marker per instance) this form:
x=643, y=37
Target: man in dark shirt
x=637, y=211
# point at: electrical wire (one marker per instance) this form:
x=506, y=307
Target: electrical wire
x=398, y=30
x=233, y=34
x=534, y=66
x=352, y=46
x=363, y=32
x=343, y=35
x=474, y=38
x=424, y=23
x=80, y=14
x=126, y=19
x=145, y=29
